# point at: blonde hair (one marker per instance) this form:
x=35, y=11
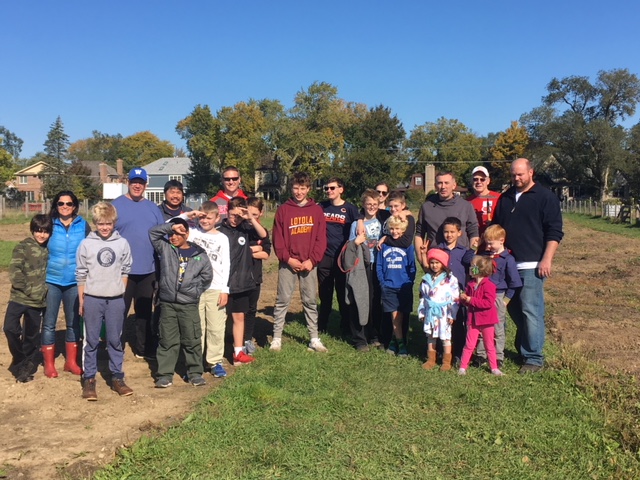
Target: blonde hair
x=494, y=232
x=209, y=207
x=484, y=264
x=103, y=212
x=397, y=222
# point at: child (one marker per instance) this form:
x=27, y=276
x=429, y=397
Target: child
x=213, y=315
x=299, y=240
x=185, y=273
x=103, y=263
x=396, y=271
x=240, y=227
x=459, y=261
x=27, y=273
x=260, y=250
x=506, y=279
x=439, y=293
x=480, y=296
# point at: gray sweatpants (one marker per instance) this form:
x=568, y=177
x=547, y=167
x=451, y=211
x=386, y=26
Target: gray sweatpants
x=308, y=282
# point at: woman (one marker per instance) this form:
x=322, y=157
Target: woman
x=383, y=190
x=69, y=229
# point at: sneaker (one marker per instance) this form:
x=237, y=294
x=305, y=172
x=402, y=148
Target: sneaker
x=402, y=349
x=393, y=347
x=25, y=371
x=197, y=381
x=163, y=382
x=479, y=362
x=529, y=368
x=316, y=346
x=276, y=345
x=118, y=386
x=462, y=371
x=218, y=371
x=242, y=358
x=362, y=348
x=249, y=347
x=497, y=372
x=89, y=390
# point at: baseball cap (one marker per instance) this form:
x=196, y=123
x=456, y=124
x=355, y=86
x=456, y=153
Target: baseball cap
x=140, y=173
x=481, y=170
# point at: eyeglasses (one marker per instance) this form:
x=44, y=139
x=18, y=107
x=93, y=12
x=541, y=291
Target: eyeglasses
x=382, y=192
x=68, y=204
x=327, y=188
x=231, y=179
x=478, y=179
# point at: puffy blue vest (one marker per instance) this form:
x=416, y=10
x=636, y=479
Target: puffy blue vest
x=63, y=245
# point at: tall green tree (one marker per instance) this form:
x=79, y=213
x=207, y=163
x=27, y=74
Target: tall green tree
x=100, y=147
x=579, y=124
x=508, y=146
x=84, y=186
x=200, y=130
x=142, y=148
x=54, y=175
x=447, y=143
x=10, y=142
x=7, y=167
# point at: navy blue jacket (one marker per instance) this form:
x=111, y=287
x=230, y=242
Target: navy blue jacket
x=506, y=277
x=459, y=261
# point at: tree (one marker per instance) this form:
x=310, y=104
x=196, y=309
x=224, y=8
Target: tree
x=100, y=147
x=200, y=131
x=373, y=152
x=579, y=125
x=10, y=142
x=54, y=175
x=142, y=148
x=7, y=167
x=508, y=146
x=84, y=186
x=447, y=143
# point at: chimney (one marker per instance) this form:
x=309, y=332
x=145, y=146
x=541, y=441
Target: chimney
x=119, y=167
x=103, y=172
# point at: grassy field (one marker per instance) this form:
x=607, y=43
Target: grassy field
x=349, y=415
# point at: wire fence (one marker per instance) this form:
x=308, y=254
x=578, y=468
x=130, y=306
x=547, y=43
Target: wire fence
x=627, y=212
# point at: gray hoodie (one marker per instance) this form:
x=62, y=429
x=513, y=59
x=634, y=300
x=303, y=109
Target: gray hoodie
x=101, y=264
x=435, y=210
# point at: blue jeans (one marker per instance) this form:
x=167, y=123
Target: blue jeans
x=527, y=311
x=97, y=311
x=68, y=296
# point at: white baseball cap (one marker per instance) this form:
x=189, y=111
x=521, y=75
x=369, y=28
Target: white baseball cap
x=481, y=170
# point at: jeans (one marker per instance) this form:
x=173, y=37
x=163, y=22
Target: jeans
x=68, y=296
x=97, y=311
x=527, y=311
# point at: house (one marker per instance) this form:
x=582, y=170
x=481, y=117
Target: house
x=163, y=170
x=28, y=182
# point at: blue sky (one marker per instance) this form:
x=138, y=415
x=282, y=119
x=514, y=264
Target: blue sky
x=129, y=66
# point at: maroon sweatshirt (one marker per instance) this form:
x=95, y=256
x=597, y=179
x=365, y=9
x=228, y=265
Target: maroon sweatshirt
x=300, y=232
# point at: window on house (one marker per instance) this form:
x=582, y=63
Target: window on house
x=155, y=197
x=30, y=196
x=418, y=180
x=22, y=179
x=176, y=177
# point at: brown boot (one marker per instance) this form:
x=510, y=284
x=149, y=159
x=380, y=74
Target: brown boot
x=431, y=360
x=446, y=362
x=71, y=363
x=48, y=356
x=89, y=390
x=118, y=386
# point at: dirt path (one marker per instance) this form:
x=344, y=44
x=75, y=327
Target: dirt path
x=49, y=429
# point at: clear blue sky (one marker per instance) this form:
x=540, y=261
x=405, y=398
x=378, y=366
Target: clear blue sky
x=128, y=66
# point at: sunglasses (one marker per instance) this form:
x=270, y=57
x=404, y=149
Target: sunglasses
x=479, y=179
x=382, y=192
x=327, y=188
x=68, y=204
x=231, y=179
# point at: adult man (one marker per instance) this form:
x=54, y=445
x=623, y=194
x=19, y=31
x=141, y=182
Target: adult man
x=231, y=180
x=173, y=205
x=531, y=216
x=445, y=203
x=339, y=215
x=482, y=199
x=136, y=215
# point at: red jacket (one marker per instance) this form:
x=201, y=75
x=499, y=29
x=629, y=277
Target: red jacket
x=222, y=199
x=481, y=308
x=299, y=232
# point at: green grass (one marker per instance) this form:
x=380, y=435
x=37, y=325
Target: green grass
x=296, y=414
x=601, y=224
x=6, y=250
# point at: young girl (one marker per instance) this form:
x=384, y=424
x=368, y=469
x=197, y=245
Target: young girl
x=480, y=297
x=439, y=293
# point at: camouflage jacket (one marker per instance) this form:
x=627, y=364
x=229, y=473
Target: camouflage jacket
x=27, y=273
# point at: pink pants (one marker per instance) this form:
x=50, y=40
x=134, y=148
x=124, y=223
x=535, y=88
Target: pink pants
x=487, y=332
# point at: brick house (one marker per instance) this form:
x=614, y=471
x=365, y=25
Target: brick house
x=28, y=182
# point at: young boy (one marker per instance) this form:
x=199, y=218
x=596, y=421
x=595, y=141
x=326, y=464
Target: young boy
x=213, y=302
x=260, y=250
x=103, y=263
x=300, y=240
x=506, y=279
x=241, y=228
x=396, y=270
x=185, y=273
x=27, y=273
x=459, y=261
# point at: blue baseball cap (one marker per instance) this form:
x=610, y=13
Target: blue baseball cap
x=138, y=172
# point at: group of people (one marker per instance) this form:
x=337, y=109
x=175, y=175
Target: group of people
x=186, y=272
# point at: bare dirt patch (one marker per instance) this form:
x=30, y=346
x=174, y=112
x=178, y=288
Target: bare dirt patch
x=48, y=430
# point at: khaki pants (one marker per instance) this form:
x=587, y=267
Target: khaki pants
x=213, y=321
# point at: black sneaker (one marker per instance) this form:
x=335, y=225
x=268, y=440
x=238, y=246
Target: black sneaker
x=529, y=368
x=479, y=362
x=197, y=381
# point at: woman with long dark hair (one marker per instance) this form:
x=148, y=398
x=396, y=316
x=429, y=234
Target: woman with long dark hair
x=69, y=229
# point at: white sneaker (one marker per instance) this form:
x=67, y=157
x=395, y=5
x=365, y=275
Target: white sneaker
x=317, y=346
x=276, y=345
x=497, y=372
x=462, y=371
